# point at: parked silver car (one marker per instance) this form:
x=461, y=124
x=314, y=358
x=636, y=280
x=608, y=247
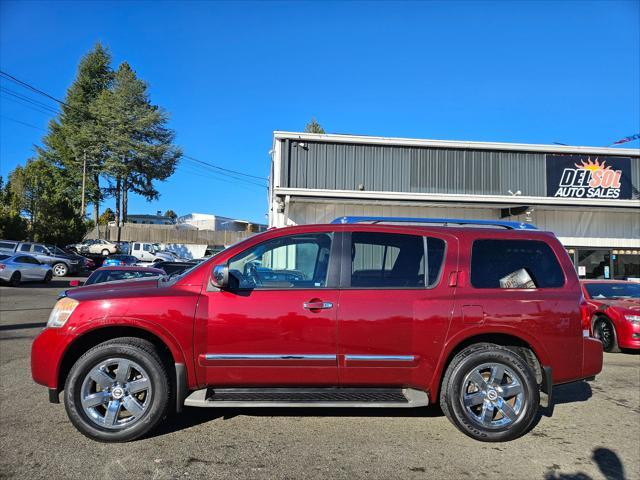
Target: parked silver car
x=23, y=268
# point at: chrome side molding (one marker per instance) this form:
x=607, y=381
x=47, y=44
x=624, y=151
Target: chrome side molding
x=247, y=356
x=380, y=358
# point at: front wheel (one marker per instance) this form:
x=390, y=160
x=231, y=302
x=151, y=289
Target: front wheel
x=60, y=269
x=105, y=252
x=47, y=277
x=604, y=331
x=118, y=391
x=490, y=393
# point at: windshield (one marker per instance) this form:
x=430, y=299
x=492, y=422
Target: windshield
x=56, y=250
x=613, y=290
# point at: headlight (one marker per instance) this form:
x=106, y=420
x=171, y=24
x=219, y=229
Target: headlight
x=635, y=319
x=61, y=312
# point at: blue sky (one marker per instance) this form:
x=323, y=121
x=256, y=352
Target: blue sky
x=232, y=73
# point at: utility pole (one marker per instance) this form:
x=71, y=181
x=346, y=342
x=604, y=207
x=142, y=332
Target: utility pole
x=84, y=181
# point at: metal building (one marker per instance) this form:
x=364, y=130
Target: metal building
x=587, y=196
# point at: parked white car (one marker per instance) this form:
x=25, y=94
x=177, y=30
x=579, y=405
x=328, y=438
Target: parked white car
x=15, y=269
x=97, y=247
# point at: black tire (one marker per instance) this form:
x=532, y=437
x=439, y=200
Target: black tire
x=60, y=269
x=456, y=385
x=131, y=349
x=105, y=252
x=14, y=281
x=48, y=276
x=604, y=330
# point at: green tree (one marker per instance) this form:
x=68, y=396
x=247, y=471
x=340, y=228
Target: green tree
x=140, y=147
x=77, y=132
x=313, y=127
x=106, y=217
x=35, y=194
x=171, y=214
x=12, y=225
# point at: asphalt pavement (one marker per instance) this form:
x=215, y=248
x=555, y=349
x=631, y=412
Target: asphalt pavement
x=594, y=432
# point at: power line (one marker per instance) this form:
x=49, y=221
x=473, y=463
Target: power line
x=31, y=87
x=217, y=170
x=223, y=171
x=22, y=123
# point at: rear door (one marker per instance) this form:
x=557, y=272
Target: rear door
x=395, y=306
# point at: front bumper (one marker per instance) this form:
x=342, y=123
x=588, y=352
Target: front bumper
x=46, y=355
x=628, y=334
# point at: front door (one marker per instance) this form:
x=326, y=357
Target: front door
x=276, y=323
x=395, y=307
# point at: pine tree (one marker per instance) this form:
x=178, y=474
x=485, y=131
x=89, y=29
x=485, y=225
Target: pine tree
x=140, y=147
x=313, y=127
x=77, y=131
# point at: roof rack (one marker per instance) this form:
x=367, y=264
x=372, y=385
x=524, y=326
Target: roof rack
x=443, y=221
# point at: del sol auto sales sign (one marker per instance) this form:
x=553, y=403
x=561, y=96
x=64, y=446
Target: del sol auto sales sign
x=588, y=176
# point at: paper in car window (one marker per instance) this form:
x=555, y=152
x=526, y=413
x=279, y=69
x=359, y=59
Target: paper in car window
x=518, y=279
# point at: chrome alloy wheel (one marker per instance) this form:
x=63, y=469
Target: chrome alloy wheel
x=116, y=393
x=60, y=270
x=493, y=395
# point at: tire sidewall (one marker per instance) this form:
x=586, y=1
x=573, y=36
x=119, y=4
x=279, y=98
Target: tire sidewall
x=48, y=276
x=158, y=402
x=530, y=388
x=14, y=281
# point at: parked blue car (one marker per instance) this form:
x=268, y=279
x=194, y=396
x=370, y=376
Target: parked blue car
x=119, y=261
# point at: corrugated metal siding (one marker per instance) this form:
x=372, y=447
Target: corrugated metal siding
x=387, y=168
x=588, y=227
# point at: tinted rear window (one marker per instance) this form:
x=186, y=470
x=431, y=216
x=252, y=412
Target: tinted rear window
x=383, y=260
x=514, y=264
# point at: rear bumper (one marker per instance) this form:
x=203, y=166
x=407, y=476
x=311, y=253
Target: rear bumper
x=592, y=355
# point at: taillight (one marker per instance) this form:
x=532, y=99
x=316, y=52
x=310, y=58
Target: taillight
x=585, y=316
x=2, y=267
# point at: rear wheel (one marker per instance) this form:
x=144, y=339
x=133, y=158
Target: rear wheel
x=604, y=331
x=48, y=276
x=60, y=269
x=118, y=390
x=105, y=252
x=490, y=393
x=14, y=281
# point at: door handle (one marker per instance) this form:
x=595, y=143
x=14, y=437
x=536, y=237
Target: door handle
x=317, y=305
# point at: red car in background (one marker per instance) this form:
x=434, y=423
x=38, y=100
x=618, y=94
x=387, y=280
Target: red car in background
x=614, y=306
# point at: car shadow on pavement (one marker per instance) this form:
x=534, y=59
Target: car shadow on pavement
x=191, y=417
x=59, y=283
x=607, y=461
x=572, y=392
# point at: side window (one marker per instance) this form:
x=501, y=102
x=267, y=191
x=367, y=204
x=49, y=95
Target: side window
x=136, y=246
x=25, y=247
x=383, y=260
x=39, y=249
x=514, y=264
x=7, y=245
x=146, y=247
x=296, y=261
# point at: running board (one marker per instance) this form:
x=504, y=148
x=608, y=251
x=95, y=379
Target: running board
x=308, y=397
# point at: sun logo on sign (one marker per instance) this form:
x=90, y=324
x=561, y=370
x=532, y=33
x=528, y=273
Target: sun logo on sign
x=591, y=165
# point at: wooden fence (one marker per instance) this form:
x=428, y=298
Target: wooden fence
x=131, y=232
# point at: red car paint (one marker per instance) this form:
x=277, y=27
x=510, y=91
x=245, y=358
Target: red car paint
x=627, y=333
x=192, y=319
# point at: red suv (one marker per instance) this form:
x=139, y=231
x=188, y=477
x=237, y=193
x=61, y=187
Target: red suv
x=357, y=313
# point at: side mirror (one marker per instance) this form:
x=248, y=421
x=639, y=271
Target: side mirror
x=75, y=283
x=220, y=276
